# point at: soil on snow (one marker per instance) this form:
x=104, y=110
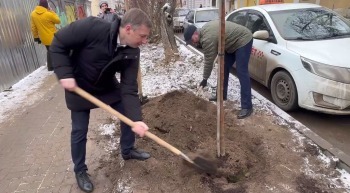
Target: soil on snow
x=261, y=156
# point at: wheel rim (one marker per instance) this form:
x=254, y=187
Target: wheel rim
x=283, y=91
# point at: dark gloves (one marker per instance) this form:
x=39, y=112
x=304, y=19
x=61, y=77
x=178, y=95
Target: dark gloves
x=37, y=40
x=203, y=83
x=143, y=99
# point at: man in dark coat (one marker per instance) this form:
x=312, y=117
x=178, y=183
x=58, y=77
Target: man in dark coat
x=88, y=53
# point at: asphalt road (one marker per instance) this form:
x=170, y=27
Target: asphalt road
x=333, y=128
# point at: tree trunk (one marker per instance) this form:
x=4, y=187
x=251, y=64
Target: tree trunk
x=152, y=9
x=162, y=25
x=167, y=32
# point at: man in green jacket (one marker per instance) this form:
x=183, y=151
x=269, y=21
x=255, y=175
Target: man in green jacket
x=238, y=45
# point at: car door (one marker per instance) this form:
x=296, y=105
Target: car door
x=189, y=19
x=263, y=52
x=257, y=61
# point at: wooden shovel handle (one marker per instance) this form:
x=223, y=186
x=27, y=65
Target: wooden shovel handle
x=123, y=118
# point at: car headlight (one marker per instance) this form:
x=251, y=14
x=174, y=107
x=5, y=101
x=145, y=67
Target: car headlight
x=338, y=74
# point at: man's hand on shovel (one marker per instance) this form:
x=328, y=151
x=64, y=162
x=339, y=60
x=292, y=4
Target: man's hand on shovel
x=140, y=128
x=68, y=83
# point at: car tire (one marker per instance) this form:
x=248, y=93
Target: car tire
x=284, y=92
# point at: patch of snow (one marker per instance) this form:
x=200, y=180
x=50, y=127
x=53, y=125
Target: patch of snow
x=186, y=73
x=107, y=129
x=17, y=96
x=326, y=159
x=344, y=178
x=111, y=146
x=123, y=186
x=287, y=188
x=270, y=188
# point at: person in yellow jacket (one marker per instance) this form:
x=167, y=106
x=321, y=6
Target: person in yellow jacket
x=43, y=22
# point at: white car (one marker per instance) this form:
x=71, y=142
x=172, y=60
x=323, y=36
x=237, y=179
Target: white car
x=301, y=52
x=200, y=16
x=178, y=18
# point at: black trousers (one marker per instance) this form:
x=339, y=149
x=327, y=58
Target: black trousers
x=80, y=122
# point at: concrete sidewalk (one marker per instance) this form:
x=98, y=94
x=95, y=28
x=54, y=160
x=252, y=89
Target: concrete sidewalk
x=35, y=147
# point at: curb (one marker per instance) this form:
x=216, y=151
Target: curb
x=327, y=148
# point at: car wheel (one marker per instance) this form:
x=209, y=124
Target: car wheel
x=284, y=92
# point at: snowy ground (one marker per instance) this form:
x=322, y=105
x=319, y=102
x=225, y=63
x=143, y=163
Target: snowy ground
x=17, y=98
x=157, y=79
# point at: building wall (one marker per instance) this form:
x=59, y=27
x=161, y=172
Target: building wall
x=94, y=7
x=191, y=4
x=340, y=6
x=252, y=2
x=307, y=1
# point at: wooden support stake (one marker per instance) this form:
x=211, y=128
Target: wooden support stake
x=220, y=88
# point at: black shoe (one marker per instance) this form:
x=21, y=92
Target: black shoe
x=243, y=113
x=215, y=99
x=84, y=182
x=136, y=154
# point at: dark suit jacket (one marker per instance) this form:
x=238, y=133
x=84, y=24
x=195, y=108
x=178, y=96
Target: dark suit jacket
x=87, y=51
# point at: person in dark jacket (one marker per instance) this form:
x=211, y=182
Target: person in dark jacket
x=88, y=53
x=238, y=45
x=106, y=12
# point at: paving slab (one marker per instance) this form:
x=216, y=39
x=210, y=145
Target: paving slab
x=35, y=147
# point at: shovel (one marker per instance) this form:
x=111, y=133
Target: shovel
x=199, y=162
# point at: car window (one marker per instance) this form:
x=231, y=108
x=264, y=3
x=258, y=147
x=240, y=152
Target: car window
x=180, y=12
x=207, y=15
x=256, y=22
x=190, y=15
x=310, y=24
x=238, y=17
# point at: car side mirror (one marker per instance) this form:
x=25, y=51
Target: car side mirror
x=190, y=21
x=261, y=35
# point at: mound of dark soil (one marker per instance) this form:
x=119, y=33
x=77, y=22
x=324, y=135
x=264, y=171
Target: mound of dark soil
x=260, y=155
